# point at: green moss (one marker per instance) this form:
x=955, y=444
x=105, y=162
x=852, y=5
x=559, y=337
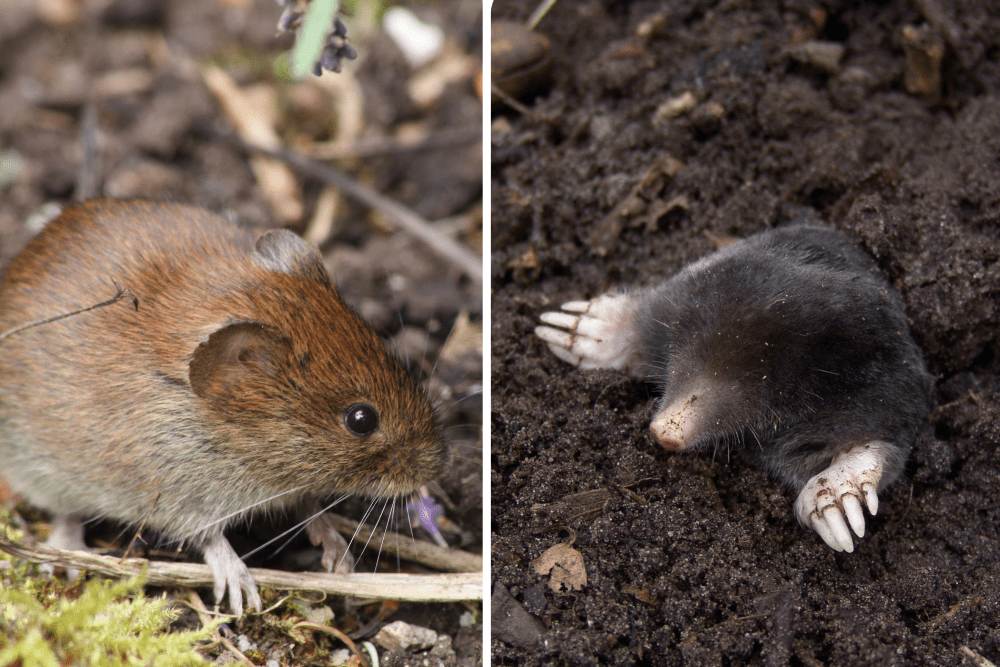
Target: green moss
x=109, y=623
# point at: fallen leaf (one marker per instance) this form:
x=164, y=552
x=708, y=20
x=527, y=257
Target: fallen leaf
x=565, y=567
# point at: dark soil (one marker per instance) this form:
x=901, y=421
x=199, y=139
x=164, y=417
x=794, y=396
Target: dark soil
x=693, y=559
x=160, y=135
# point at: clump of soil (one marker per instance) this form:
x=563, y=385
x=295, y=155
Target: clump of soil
x=797, y=108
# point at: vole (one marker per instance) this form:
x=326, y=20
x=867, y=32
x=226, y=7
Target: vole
x=240, y=382
x=790, y=344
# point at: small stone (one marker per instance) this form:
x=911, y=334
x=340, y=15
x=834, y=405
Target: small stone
x=442, y=647
x=707, y=118
x=340, y=656
x=401, y=637
x=673, y=108
x=824, y=56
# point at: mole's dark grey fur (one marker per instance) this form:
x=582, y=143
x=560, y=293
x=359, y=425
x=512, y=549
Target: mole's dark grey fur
x=790, y=343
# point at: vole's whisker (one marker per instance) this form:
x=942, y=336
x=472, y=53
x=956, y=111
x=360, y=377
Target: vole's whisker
x=297, y=528
x=245, y=509
x=357, y=530
x=392, y=507
x=368, y=541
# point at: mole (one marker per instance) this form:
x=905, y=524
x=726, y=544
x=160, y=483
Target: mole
x=789, y=344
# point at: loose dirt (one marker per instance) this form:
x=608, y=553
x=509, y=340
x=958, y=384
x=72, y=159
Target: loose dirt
x=695, y=559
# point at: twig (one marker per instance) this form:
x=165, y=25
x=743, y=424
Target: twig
x=88, y=176
x=462, y=258
x=206, y=617
x=425, y=553
x=510, y=101
x=336, y=633
x=376, y=146
x=121, y=294
x=540, y=11
x=977, y=660
x=388, y=586
x=139, y=530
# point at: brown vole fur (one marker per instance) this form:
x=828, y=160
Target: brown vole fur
x=241, y=382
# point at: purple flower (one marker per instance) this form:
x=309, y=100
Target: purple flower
x=427, y=510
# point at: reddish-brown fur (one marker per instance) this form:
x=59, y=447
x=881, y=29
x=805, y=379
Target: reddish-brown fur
x=104, y=412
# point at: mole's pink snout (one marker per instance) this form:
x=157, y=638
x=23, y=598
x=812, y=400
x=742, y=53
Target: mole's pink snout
x=676, y=424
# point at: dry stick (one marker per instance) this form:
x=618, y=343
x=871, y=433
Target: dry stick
x=336, y=633
x=141, y=526
x=977, y=660
x=88, y=176
x=199, y=607
x=425, y=553
x=121, y=294
x=453, y=587
x=456, y=254
x=511, y=102
x=376, y=146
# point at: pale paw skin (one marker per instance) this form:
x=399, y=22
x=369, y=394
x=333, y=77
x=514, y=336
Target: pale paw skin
x=594, y=334
x=232, y=573
x=833, y=500
x=336, y=557
x=66, y=534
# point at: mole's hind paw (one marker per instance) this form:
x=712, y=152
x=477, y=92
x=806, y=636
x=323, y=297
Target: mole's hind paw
x=593, y=334
x=833, y=499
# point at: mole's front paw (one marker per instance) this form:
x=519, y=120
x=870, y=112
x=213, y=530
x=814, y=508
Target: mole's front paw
x=593, y=334
x=833, y=499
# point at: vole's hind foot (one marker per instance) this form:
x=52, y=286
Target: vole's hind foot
x=232, y=573
x=336, y=557
x=67, y=534
x=834, y=498
x=594, y=334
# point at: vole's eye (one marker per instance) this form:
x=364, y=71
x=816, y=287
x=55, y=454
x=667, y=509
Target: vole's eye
x=361, y=419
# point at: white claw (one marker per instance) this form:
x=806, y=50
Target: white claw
x=557, y=337
x=593, y=334
x=855, y=515
x=840, y=492
x=839, y=528
x=823, y=529
x=564, y=320
x=576, y=306
x=872, y=499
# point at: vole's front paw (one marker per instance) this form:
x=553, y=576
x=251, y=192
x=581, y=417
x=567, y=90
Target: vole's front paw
x=66, y=534
x=833, y=499
x=593, y=334
x=336, y=557
x=232, y=573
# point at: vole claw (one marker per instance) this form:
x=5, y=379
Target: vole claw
x=336, y=557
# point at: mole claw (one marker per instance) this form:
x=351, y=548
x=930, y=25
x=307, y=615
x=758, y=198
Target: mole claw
x=565, y=354
x=871, y=498
x=564, y=320
x=557, y=337
x=820, y=525
x=838, y=527
x=855, y=515
x=576, y=306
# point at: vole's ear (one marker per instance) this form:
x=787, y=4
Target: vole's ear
x=234, y=354
x=283, y=251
